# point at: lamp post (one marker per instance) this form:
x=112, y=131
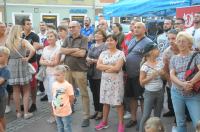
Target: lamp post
x=5, y=14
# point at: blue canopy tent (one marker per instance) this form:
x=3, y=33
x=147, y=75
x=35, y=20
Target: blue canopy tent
x=145, y=7
x=195, y=2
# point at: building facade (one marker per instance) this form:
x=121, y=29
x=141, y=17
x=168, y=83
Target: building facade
x=50, y=11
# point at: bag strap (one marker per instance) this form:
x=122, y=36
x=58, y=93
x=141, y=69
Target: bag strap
x=190, y=62
x=135, y=45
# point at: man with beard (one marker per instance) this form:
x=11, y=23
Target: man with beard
x=88, y=31
x=195, y=31
x=179, y=24
x=162, y=39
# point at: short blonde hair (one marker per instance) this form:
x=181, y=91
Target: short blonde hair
x=54, y=33
x=4, y=50
x=155, y=122
x=62, y=68
x=198, y=126
x=185, y=35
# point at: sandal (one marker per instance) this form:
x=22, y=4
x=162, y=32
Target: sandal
x=99, y=116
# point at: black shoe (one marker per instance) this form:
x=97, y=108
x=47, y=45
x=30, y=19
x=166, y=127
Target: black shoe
x=22, y=107
x=32, y=108
x=44, y=98
x=131, y=123
x=94, y=116
x=85, y=123
x=168, y=114
x=188, y=118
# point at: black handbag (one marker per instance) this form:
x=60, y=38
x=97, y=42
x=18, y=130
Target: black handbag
x=90, y=71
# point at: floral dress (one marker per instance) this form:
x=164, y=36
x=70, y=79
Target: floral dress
x=112, y=84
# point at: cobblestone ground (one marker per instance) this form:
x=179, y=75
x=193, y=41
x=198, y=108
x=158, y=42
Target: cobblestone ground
x=38, y=123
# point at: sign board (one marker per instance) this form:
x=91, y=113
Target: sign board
x=79, y=11
x=187, y=13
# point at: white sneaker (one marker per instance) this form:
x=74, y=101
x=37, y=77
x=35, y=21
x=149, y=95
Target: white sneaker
x=40, y=93
x=174, y=129
x=127, y=115
x=28, y=115
x=8, y=109
x=51, y=120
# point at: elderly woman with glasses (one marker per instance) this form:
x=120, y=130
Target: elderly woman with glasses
x=182, y=92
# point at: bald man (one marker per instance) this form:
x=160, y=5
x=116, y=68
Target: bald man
x=104, y=25
x=75, y=47
x=135, y=54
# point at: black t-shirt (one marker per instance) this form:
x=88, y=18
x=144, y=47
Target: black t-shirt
x=32, y=37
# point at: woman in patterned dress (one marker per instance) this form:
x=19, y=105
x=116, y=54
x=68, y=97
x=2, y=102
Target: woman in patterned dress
x=20, y=77
x=112, y=88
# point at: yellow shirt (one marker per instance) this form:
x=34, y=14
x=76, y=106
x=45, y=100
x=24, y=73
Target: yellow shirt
x=60, y=103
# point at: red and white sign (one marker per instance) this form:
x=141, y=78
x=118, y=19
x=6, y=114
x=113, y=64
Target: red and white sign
x=187, y=13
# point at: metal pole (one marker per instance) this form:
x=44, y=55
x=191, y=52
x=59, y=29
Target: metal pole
x=5, y=12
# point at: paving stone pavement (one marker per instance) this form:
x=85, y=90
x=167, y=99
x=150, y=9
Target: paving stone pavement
x=38, y=123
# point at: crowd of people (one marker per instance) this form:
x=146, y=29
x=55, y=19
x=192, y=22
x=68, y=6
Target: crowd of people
x=121, y=70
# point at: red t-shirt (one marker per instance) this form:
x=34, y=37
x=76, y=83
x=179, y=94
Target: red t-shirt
x=124, y=45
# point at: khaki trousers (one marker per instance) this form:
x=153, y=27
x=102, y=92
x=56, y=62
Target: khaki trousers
x=80, y=78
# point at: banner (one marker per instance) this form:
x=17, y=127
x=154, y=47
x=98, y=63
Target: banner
x=187, y=13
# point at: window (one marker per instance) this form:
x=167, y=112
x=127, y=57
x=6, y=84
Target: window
x=18, y=17
x=50, y=19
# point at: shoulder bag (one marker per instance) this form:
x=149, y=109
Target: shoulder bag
x=191, y=72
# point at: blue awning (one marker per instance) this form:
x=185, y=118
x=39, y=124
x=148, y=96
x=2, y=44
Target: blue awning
x=145, y=7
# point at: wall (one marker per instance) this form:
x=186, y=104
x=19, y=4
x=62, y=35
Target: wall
x=37, y=11
x=50, y=2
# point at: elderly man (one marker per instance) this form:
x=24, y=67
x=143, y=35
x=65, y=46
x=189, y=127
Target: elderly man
x=75, y=48
x=133, y=60
x=104, y=25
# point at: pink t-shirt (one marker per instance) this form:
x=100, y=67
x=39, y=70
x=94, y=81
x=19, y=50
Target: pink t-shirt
x=60, y=103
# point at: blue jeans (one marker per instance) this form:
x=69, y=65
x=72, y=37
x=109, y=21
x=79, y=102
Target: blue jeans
x=191, y=102
x=64, y=123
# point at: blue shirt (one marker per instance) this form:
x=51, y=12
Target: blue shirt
x=5, y=74
x=134, y=57
x=87, y=32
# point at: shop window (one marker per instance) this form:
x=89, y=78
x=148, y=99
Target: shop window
x=50, y=19
x=80, y=19
x=17, y=20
